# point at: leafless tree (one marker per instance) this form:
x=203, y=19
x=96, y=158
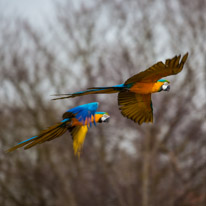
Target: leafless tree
x=103, y=43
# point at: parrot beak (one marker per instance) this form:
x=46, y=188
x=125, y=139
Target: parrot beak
x=168, y=88
x=104, y=118
x=107, y=119
x=165, y=87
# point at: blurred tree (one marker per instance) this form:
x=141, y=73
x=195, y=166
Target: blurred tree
x=96, y=44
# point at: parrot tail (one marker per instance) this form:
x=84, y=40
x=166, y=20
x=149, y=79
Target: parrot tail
x=93, y=90
x=45, y=135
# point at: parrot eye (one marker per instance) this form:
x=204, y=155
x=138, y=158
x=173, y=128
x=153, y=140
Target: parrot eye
x=165, y=86
x=104, y=118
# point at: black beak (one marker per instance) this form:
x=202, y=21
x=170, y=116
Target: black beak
x=104, y=120
x=107, y=120
x=168, y=88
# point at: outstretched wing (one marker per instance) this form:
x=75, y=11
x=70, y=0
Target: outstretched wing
x=137, y=107
x=78, y=135
x=157, y=71
x=83, y=113
x=46, y=135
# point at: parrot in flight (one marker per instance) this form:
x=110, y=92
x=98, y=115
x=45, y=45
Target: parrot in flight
x=134, y=95
x=76, y=120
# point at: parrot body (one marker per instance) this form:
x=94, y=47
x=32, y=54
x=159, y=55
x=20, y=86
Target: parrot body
x=146, y=88
x=77, y=120
x=134, y=96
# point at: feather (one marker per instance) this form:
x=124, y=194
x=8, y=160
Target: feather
x=78, y=135
x=93, y=90
x=159, y=70
x=136, y=106
x=46, y=135
x=85, y=113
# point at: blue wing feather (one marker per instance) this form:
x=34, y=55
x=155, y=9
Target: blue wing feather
x=27, y=140
x=85, y=111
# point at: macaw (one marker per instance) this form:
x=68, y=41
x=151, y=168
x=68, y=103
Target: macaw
x=76, y=120
x=134, y=95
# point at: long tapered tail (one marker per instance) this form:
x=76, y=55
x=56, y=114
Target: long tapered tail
x=46, y=135
x=93, y=90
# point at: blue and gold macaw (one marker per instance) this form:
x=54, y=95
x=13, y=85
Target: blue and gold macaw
x=134, y=96
x=76, y=120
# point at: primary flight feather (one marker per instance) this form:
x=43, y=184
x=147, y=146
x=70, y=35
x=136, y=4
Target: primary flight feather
x=134, y=96
x=76, y=120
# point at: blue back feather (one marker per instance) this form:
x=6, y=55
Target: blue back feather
x=84, y=111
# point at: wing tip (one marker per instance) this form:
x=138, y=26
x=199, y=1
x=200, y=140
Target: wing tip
x=12, y=149
x=9, y=150
x=136, y=119
x=58, y=98
x=184, y=58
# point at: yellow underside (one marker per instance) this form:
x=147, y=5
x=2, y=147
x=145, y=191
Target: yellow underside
x=79, y=135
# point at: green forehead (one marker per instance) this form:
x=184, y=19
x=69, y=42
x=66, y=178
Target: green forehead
x=163, y=80
x=101, y=113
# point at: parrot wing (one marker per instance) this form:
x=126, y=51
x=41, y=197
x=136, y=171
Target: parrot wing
x=83, y=113
x=137, y=107
x=68, y=115
x=78, y=135
x=159, y=70
x=46, y=135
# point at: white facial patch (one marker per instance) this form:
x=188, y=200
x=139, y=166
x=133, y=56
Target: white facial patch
x=105, y=117
x=165, y=86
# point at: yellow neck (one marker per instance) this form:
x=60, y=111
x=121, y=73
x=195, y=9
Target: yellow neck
x=156, y=87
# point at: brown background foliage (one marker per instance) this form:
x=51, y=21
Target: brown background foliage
x=102, y=44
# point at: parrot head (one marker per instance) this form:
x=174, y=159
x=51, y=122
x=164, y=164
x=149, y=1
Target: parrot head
x=165, y=86
x=104, y=117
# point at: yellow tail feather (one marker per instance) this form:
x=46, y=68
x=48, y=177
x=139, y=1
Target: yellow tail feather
x=78, y=134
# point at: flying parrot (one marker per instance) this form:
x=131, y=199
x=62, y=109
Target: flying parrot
x=76, y=120
x=134, y=95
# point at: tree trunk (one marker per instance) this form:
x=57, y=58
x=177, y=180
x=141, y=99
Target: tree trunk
x=145, y=172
